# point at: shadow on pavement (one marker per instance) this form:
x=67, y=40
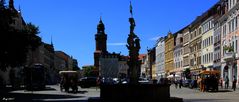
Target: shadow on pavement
x=28, y=97
x=220, y=91
x=78, y=92
x=204, y=100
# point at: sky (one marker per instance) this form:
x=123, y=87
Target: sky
x=72, y=23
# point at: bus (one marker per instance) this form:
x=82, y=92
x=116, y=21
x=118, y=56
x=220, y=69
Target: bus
x=35, y=78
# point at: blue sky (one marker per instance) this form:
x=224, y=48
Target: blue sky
x=72, y=23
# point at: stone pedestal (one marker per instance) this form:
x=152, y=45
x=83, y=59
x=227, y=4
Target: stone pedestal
x=133, y=93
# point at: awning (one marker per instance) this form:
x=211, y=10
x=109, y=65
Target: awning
x=210, y=72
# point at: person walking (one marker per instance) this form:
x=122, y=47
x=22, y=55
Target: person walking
x=234, y=83
x=176, y=83
x=180, y=83
x=202, y=85
x=226, y=82
x=221, y=82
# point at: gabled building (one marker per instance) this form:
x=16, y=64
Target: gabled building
x=186, y=48
x=178, y=53
x=169, y=57
x=160, y=58
x=229, y=39
x=220, y=11
x=195, y=46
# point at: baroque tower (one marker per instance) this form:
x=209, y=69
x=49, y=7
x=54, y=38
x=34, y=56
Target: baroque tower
x=11, y=4
x=100, y=41
x=101, y=38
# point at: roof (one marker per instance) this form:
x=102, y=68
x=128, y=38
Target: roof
x=141, y=56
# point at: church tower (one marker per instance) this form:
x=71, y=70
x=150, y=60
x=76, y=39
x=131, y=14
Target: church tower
x=101, y=38
x=100, y=41
x=11, y=4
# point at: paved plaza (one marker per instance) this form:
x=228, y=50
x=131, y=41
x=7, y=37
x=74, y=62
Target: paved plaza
x=194, y=95
x=53, y=94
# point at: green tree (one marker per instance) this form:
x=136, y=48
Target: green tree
x=75, y=65
x=187, y=73
x=15, y=43
x=88, y=71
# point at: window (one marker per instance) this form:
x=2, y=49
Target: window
x=209, y=59
x=236, y=22
x=195, y=33
x=209, y=24
x=232, y=24
x=211, y=56
x=236, y=46
x=211, y=40
x=206, y=58
x=215, y=56
x=200, y=31
x=224, y=29
x=229, y=25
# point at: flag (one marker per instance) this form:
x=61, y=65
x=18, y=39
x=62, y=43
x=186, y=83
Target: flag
x=130, y=7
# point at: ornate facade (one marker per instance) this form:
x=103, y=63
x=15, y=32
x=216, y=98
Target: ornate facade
x=169, y=48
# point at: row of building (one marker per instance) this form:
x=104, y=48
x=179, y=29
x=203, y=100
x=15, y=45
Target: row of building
x=210, y=42
x=53, y=61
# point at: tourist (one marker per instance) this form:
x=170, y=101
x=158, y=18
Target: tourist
x=226, y=82
x=234, y=83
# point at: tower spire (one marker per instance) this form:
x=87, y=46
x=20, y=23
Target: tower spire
x=19, y=8
x=51, y=41
x=101, y=26
x=131, y=9
x=11, y=3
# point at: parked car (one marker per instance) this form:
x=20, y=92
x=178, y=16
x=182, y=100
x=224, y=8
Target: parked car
x=186, y=82
x=144, y=81
x=87, y=82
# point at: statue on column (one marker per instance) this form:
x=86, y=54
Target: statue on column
x=133, y=45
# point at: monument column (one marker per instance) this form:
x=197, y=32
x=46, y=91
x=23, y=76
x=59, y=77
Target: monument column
x=133, y=45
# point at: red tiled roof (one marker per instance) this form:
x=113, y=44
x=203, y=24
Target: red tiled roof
x=141, y=56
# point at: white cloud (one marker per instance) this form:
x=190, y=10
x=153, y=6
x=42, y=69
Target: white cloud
x=116, y=44
x=155, y=38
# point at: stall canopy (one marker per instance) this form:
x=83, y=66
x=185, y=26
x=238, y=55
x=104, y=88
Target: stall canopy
x=210, y=72
x=173, y=76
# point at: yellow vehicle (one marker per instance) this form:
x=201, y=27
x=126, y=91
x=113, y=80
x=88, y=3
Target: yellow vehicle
x=69, y=80
x=209, y=80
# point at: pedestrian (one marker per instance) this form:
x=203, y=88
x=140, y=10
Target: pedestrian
x=98, y=81
x=176, y=83
x=202, y=85
x=221, y=82
x=234, y=83
x=180, y=83
x=226, y=82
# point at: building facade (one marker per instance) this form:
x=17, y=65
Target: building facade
x=109, y=66
x=195, y=46
x=186, y=48
x=169, y=48
x=178, y=54
x=229, y=40
x=160, y=58
x=207, y=43
x=100, y=42
x=220, y=11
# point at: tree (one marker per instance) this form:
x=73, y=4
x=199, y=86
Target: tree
x=187, y=73
x=15, y=43
x=88, y=71
x=228, y=48
x=75, y=65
